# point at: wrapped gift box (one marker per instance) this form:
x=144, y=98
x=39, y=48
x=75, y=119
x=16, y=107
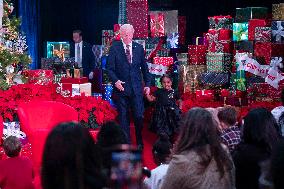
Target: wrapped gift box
x=245, y=14
x=252, y=24
x=73, y=89
x=265, y=90
x=263, y=51
x=213, y=79
x=86, y=89
x=188, y=74
x=171, y=21
x=172, y=40
x=204, y=95
x=262, y=34
x=74, y=80
x=219, y=40
x=57, y=65
x=254, y=79
x=245, y=46
x=240, y=31
x=181, y=29
x=41, y=77
x=107, y=37
x=277, y=28
x=197, y=54
x=220, y=22
x=137, y=16
x=165, y=61
x=122, y=15
x=58, y=49
x=157, y=24
x=278, y=11
x=218, y=62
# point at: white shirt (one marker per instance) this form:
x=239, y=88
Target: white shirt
x=76, y=58
x=130, y=48
x=157, y=177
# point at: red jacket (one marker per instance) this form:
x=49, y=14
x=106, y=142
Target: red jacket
x=16, y=173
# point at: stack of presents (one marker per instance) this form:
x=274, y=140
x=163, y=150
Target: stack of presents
x=237, y=60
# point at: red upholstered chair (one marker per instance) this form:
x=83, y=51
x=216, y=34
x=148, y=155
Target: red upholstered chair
x=37, y=118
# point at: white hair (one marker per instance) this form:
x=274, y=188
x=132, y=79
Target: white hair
x=127, y=27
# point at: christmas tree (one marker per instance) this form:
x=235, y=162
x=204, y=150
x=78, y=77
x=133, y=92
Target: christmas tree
x=13, y=57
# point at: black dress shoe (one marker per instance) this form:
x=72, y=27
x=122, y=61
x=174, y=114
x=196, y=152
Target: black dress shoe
x=140, y=147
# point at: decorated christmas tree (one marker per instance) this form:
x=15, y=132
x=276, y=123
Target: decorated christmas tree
x=13, y=57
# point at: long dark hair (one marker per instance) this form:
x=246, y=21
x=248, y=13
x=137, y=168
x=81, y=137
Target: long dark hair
x=261, y=129
x=71, y=159
x=198, y=131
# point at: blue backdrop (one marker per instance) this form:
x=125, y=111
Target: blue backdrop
x=29, y=11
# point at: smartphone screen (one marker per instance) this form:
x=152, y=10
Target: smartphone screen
x=126, y=169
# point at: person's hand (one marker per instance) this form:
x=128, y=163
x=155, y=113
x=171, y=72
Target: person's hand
x=119, y=86
x=91, y=75
x=146, y=91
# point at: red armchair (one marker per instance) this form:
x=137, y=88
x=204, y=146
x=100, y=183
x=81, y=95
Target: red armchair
x=37, y=118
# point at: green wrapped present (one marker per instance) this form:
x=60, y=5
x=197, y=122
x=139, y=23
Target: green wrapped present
x=218, y=62
x=245, y=14
x=240, y=31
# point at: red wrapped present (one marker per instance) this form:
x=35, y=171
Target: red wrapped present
x=137, y=15
x=41, y=77
x=264, y=90
x=219, y=40
x=157, y=24
x=204, y=95
x=181, y=29
x=253, y=23
x=165, y=61
x=74, y=80
x=263, y=51
x=262, y=34
x=197, y=54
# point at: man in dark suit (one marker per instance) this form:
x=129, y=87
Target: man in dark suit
x=82, y=51
x=125, y=67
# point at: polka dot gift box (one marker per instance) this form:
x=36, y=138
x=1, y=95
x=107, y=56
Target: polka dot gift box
x=165, y=61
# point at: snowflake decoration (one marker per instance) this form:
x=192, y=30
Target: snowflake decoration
x=20, y=44
x=172, y=40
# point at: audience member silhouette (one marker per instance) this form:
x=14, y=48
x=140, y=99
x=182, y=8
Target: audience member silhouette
x=161, y=152
x=252, y=155
x=71, y=159
x=277, y=166
x=16, y=172
x=199, y=159
x=109, y=136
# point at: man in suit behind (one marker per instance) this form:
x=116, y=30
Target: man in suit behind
x=82, y=51
x=125, y=67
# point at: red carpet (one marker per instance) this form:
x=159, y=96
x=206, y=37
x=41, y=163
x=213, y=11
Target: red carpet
x=148, y=139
